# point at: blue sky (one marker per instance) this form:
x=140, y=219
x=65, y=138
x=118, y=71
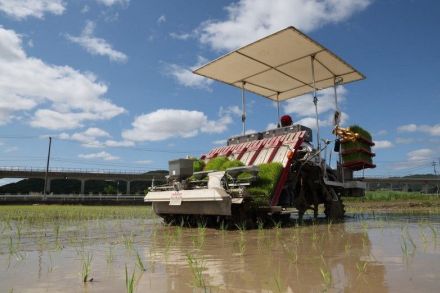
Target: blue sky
x=110, y=80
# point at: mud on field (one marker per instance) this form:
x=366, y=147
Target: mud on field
x=366, y=253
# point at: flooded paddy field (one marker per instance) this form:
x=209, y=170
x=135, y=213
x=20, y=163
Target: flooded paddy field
x=128, y=249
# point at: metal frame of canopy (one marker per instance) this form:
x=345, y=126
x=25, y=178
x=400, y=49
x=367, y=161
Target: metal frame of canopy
x=270, y=66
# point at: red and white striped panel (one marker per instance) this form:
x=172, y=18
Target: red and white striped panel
x=262, y=151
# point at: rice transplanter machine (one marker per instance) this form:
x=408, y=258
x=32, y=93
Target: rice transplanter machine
x=278, y=171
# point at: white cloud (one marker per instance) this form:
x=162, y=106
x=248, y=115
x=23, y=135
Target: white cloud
x=114, y=143
x=304, y=108
x=421, y=155
x=85, y=9
x=404, y=140
x=10, y=149
x=220, y=142
x=88, y=138
x=161, y=19
x=21, y=9
x=382, y=132
x=416, y=158
x=383, y=144
x=173, y=123
x=249, y=20
x=72, y=97
x=310, y=122
x=271, y=126
x=92, y=137
x=185, y=77
x=144, y=162
x=96, y=46
x=433, y=130
x=181, y=36
x=407, y=128
x=113, y=2
x=96, y=132
x=230, y=110
x=101, y=155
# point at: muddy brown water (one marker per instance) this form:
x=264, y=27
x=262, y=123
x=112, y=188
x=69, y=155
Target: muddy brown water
x=380, y=253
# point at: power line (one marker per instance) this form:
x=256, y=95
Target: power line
x=104, y=146
x=20, y=137
x=137, y=148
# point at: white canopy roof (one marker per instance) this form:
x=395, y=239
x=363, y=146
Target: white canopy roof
x=280, y=65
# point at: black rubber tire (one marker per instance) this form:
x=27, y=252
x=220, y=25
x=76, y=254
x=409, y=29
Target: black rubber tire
x=334, y=209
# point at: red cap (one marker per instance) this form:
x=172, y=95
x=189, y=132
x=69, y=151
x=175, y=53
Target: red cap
x=286, y=120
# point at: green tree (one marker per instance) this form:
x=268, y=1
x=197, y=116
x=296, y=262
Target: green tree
x=110, y=189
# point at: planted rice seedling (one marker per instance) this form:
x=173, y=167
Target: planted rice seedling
x=278, y=282
x=139, y=262
x=326, y=276
x=86, y=265
x=292, y=253
x=241, y=246
x=129, y=280
x=198, y=241
x=241, y=227
x=329, y=226
x=361, y=267
x=223, y=226
x=51, y=264
x=277, y=226
x=128, y=241
x=109, y=257
x=201, y=227
x=197, y=268
x=260, y=225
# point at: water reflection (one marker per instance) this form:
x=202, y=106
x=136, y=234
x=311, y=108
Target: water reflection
x=367, y=253
x=311, y=258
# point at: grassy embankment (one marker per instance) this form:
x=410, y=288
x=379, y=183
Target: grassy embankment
x=394, y=200
x=374, y=200
x=40, y=213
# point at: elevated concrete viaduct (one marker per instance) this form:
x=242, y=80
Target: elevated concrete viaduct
x=80, y=175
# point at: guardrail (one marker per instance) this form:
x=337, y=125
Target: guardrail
x=70, y=198
x=395, y=178
x=72, y=170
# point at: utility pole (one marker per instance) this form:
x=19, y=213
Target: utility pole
x=434, y=164
x=47, y=168
x=438, y=177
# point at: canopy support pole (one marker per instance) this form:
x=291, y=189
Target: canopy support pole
x=335, y=84
x=278, y=110
x=315, y=101
x=243, y=108
x=337, y=117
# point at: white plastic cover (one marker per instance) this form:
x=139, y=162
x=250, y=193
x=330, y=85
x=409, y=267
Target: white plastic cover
x=279, y=66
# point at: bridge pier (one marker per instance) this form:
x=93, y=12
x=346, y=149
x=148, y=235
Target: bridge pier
x=405, y=187
x=128, y=187
x=49, y=181
x=83, y=186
